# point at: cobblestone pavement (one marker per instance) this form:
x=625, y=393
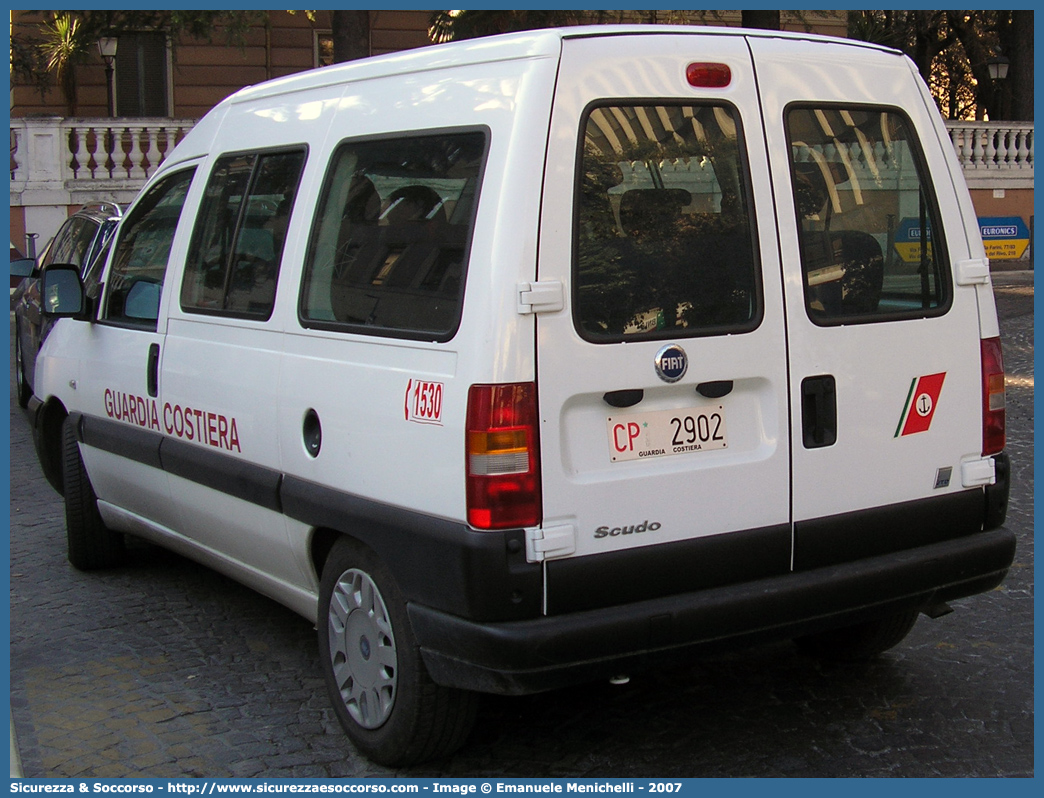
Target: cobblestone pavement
x=166, y=669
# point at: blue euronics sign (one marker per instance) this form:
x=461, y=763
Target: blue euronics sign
x=908, y=236
x=909, y=230
x=1005, y=237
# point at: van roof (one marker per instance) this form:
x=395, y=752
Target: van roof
x=541, y=43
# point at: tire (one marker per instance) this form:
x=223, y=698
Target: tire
x=91, y=545
x=861, y=641
x=381, y=692
x=22, y=388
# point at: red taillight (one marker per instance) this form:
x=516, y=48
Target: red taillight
x=503, y=456
x=708, y=76
x=993, y=434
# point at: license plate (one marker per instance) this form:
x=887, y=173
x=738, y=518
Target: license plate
x=639, y=436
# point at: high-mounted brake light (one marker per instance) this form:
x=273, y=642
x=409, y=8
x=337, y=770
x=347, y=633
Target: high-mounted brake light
x=993, y=421
x=708, y=76
x=503, y=467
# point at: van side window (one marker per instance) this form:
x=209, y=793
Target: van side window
x=871, y=243
x=389, y=248
x=663, y=239
x=237, y=245
x=139, y=264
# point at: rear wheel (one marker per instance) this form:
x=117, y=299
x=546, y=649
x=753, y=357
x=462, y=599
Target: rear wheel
x=861, y=641
x=91, y=544
x=381, y=692
x=23, y=390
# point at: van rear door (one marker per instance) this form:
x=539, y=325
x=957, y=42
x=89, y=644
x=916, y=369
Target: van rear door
x=662, y=383
x=884, y=340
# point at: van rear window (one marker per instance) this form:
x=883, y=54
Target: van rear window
x=664, y=242
x=872, y=247
x=389, y=248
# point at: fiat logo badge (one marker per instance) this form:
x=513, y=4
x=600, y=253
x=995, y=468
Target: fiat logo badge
x=671, y=363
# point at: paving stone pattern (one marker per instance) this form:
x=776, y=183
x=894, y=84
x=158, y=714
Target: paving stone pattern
x=166, y=669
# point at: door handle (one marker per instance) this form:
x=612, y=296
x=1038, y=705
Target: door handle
x=152, y=375
x=714, y=390
x=819, y=411
x=624, y=398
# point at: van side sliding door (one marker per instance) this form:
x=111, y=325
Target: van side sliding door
x=223, y=358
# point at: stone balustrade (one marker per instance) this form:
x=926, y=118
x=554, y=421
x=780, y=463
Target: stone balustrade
x=994, y=154
x=87, y=159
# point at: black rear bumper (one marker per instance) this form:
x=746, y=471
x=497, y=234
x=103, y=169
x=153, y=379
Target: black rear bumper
x=529, y=656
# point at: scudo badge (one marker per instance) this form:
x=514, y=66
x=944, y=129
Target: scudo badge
x=671, y=363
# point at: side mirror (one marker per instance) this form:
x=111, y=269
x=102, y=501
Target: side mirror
x=61, y=291
x=20, y=269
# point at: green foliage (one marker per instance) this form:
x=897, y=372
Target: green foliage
x=951, y=50
x=64, y=45
x=456, y=25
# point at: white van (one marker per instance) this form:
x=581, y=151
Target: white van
x=539, y=358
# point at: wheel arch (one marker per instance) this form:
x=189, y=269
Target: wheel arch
x=323, y=540
x=362, y=534
x=435, y=562
x=439, y=562
x=47, y=437
x=23, y=385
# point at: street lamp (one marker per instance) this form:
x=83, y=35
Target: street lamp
x=107, y=50
x=998, y=66
x=998, y=69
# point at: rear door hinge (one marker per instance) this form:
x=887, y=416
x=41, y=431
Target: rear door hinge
x=973, y=272
x=980, y=471
x=550, y=542
x=545, y=296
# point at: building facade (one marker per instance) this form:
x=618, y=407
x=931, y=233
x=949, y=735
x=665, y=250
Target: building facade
x=155, y=77
x=129, y=113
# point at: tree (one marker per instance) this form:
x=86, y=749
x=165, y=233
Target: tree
x=62, y=40
x=351, y=35
x=769, y=20
x=456, y=25
x=63, y=48
x=988, y=34
x=450, y=25
x=1017, y=38
x=952, y=50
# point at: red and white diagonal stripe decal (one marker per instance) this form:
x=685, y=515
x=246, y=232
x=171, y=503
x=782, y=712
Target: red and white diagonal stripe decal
x=920, y=404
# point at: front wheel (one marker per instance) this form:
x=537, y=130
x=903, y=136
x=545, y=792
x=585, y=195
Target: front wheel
x=381, y=692
x=91, y=544
x=22, y=388
x=861, y=641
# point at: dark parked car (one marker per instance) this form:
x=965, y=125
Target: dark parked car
x=21, y=267
x=82, y=241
